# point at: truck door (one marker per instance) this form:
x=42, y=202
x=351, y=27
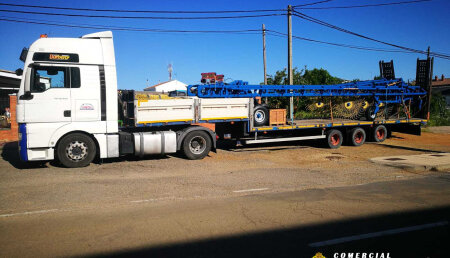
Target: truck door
x=85, y=93
x=49, y=98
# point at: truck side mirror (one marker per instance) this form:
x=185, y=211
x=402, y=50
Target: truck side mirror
x=26, y=96
x=19, y=72
x=29, y=77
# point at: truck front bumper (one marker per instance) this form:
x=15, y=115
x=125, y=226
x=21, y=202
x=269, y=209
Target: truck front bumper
x=27, y=154
x=23, y=142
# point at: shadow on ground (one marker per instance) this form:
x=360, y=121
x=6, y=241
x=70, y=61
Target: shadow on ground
x=428, y=241
x=10, y=153
x=410, y=148
x=273, y=146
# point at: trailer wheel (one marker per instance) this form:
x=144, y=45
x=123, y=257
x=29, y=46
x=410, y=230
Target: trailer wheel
x=334, y=139
x=380, y=133
x=76, y=150
x=358, y=136
x=196, y=145
x=261, y=116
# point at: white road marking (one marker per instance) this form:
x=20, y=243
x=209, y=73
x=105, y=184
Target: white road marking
x=27, y=213
x=153, y=200
x=250, y=190
x=377, y=234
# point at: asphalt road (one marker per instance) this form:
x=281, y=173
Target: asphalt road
x=289, y=200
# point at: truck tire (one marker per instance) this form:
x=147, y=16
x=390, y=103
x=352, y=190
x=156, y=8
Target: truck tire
x=334, y=138
x=357, y=136
x=196, y=145
x=261, y=116
x=76, y=150
x=380, y=133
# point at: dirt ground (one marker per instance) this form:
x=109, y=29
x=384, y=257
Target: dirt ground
x=128, y=204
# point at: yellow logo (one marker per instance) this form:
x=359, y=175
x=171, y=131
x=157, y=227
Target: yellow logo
x=318, y=255
x=59, y=57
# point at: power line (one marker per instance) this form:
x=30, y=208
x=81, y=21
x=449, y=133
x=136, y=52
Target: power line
x=140, y=29
x=143, y=17
x=367, y=5
x=101, y=27
x=313, y=3
x=280, y=34
x=136, y=11
x=317, y=21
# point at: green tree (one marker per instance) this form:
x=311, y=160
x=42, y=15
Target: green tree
x=439, y=114
x=300, y=77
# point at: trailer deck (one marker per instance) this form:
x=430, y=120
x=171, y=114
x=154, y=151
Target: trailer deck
x=324, y=123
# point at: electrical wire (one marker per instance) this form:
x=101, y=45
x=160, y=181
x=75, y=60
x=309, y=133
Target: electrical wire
x=101, y=27
x=317, y=21
x=271, y=32
x=313, y=3
x=366, y=5
x=143, y=17
x=136, y=11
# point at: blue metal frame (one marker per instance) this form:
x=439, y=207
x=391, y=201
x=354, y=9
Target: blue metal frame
x=383, y=91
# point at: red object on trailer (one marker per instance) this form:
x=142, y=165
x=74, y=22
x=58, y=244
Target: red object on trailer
x=211, y=78
x=219, y=78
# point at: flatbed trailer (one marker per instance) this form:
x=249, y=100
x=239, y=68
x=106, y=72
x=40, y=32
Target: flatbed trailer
x=69, y=108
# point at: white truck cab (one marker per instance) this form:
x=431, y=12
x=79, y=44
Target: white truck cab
x=67, y=107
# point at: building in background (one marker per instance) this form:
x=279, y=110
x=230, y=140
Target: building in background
x=168, y=86
x=9, y=84
x=442, y=86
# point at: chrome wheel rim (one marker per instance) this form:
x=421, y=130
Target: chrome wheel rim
x=77, y=151
x=197, y=145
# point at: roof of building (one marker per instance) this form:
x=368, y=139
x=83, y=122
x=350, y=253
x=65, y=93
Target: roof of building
x=9, y=81
x=442, y=81
x=10, y=74
x=162, y=83
x=445, y=82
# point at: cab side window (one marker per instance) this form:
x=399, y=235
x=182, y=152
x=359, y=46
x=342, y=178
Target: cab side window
x=55, y=77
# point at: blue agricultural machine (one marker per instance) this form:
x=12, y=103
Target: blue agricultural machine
x=356, y=111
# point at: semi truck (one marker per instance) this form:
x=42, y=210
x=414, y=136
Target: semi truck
x=69, y=108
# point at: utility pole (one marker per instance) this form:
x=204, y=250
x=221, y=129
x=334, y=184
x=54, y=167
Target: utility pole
x=264, y=53
x=430, y=82
x=264, y=57
x=290, y=74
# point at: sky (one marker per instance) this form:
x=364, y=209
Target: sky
x=142, y=58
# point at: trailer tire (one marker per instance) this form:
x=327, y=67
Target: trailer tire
x=261, y=116
x=196, y=145
x=76, y=150
x=334, y=139
x=380, y=133
x=357, y=136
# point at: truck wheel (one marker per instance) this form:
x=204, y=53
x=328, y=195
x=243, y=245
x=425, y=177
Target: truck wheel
x=357, y=136
x=261, y=116
x=196, y=145
x=334, y=139
x=380, y=133
x=76, y=150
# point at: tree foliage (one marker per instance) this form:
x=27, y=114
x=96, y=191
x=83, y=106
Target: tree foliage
x=439, y=114
x=300, y=77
